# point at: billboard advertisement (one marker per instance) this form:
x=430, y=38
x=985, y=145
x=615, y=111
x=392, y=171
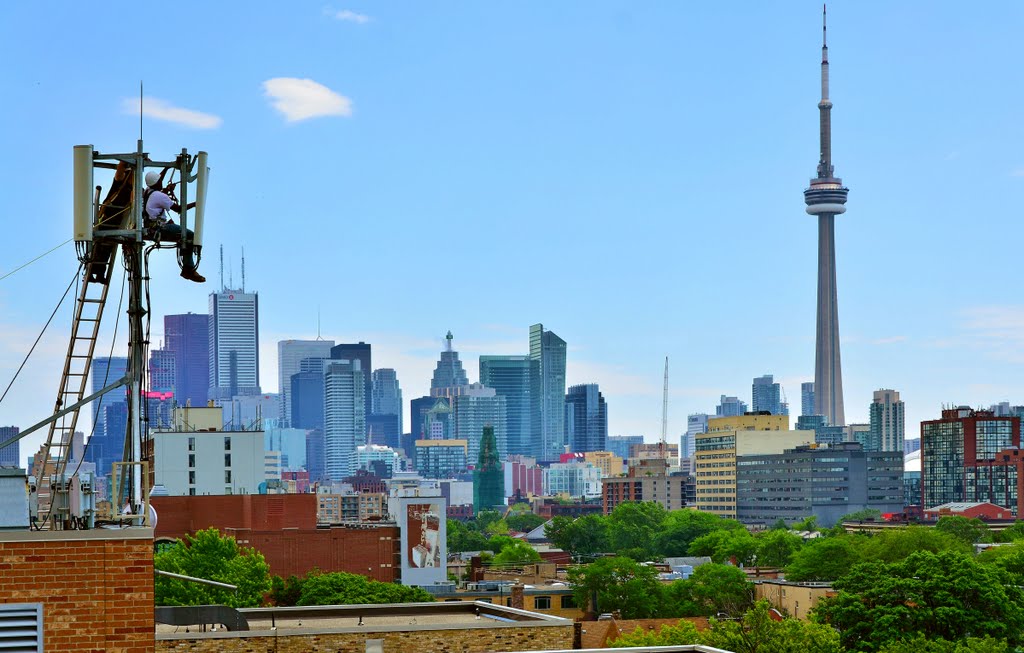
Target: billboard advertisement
x=424, y=545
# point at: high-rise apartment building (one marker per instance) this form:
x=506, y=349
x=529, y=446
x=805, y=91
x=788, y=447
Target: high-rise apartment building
x=547, y=393
x=766, y=395
x=807, y=398
x=234, y=344
x=586, y=418
x=290, y=355
x=730, y=407
x=695, y=423
x=188, y=336
x=728, y=438
x=887, y=422
x=9, y=454
x=510, y=378
x=358, y=352
x=344, y=416
x=972, y=456
x=474, y=407
x=386, y=395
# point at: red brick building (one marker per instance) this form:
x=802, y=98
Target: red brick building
x=94, y=588
x=283, y=528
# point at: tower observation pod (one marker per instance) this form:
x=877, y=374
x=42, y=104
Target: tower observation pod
x=826, y=198
x=146, y=207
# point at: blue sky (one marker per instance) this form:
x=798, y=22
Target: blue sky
x=629, y=174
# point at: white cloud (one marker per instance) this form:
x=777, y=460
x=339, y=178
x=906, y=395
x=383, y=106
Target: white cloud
x=348, y=16
x=301, y=99
x=163, y=110
x=1019, y=172
x=889, y=340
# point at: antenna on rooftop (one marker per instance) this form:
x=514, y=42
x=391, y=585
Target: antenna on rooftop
x=222, y=266
x=318, y=336
x=243, y=269
x=140, y=109
x=664, y=411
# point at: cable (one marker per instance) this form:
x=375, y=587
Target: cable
x=40, y=336
x=25, y=265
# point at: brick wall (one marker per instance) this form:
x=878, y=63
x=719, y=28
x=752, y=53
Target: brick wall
x=96, y=586
x=371, y=552
x=468, y=640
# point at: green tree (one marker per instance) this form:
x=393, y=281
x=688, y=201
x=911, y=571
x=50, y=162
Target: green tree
x=517, y=553
x=968, y=531
x=682, y=634
x=524, y=522
x=1009, y=558
x=633, y=529
x=895, y=544
x=758, y=632
x=464, y=538
x=286, y=592
x=621, y=584
x=580, y=537
x=867, y=514
x=682, y=527
x=776, y=548
x=808, y=524
x=1010, y=534
x=947, y=595
x=339, y=588
x=211, y=556
x=720, y=590
x=726, y=545
x=825, y=559
x=921, y=644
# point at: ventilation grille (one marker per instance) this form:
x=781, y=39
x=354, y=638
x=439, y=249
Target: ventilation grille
x=21, y=628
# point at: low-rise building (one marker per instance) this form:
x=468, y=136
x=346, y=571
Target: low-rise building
x=573, y=479
x=441, y=458
x=648, y=480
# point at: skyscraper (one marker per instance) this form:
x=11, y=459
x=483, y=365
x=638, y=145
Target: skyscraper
x=586, y=418
x=766, y=395
x=104, y=372
x=695, y=423
x=306, y=390
x=188, y=336
x=473, y=407
x=887, y=422
x=547, y=393
x=510, y=378
x=9, y=454
x=160, y=397
x=358, y=352
x=234, y=344
x=826, y=198
x=488, y=477
x=290, y=354
x=807, y=398
x=387, y=394
x=344, y=416
x=449, y=372
x=730, y=407
x=417, y=413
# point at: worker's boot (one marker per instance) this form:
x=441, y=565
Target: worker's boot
x=192, y=275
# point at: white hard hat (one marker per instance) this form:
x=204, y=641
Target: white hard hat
x=152, y=177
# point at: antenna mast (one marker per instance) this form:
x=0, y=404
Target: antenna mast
x=664, y=411
x=243, y=269
x=222, y=267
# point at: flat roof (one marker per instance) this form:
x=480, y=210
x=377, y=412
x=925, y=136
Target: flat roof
x=127, y=533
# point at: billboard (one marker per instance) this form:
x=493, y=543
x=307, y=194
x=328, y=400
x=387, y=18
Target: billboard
x=424, y=545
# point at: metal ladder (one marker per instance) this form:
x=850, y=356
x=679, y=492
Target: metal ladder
x=92, y=299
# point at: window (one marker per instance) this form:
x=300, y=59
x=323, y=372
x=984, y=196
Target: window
x=191, y=444
x=191, y=460
x=192, y=477
x=542, y=603
x=227, y=443
x=227, y=475
x=568, y=602
x=227, y=460
x=191, y=491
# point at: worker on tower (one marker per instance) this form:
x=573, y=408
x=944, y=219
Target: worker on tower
x=157, y=200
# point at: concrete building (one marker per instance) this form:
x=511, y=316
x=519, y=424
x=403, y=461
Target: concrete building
x=234, y=344
x=730, y=407
x=586, y=418
x=887, y=430
x=648, y=480
x=344, y=416
x=824, y=482
x=972, y=456
x=361, y=352
x=730, y=437
x=368, y=455
x=188, y=336
x=573, y=479
x=510, y=378
x=695, y=423
x=606, y=461
x=199, y=458
x=826, y=198
x=547, y=393
x=766, y=395
x=442, y=458
x=290, y=354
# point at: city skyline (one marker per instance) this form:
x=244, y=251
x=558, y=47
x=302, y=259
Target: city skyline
x=947, y=333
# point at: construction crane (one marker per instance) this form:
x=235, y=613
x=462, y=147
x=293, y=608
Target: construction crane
x=103, y=230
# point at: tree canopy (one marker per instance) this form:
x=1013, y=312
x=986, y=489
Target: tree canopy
x=339, y=588
x=211, y=556
x=620, y=584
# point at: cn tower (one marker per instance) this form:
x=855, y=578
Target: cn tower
x=826, y=198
